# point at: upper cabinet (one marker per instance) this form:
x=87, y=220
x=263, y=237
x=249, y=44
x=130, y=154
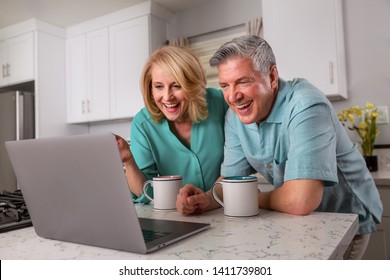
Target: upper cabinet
x=17, y=59
x=105, y=58
x=308, y=41
x=32, y=56
x=129, y=50
x=88, y=92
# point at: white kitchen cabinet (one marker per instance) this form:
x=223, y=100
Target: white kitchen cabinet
x=17, y=59
x=307, y=39
x=105, y=58
x=129, y=47
x=38, y=50
x=88, y=96
x=76, y=84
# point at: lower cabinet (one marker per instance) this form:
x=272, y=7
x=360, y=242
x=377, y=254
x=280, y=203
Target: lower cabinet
x=379, y=246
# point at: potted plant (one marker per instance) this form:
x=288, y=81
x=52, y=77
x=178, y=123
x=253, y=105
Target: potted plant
x=363, y=121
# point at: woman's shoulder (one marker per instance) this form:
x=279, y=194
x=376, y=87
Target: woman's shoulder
x=215, y=99
x=214, y=93
x=142, y=116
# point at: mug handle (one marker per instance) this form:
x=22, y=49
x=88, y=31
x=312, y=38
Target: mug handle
x=149, y=182
x=215, y=195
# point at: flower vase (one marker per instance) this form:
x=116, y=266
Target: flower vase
x=372, y=163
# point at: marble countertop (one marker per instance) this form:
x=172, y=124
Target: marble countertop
x=270, y=235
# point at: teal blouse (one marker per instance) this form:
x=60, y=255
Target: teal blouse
x=157, y=151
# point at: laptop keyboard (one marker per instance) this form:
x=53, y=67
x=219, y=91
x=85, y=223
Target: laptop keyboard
x=150, y=235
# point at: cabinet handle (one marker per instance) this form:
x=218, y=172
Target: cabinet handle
x=4, y=70
x=83, y=106
x=331, y=77
x=88, y=106
x=8, y=71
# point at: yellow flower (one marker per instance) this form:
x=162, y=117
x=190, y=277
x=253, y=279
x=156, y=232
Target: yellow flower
x=363, y=121
x=341, y=117
x=351, y=118
x=362, y=125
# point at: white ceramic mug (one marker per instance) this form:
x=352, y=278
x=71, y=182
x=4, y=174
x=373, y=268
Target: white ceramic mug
x=240, y=196
x=165, y=191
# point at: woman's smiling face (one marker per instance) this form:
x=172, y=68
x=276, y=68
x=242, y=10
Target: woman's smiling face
x=168, y=95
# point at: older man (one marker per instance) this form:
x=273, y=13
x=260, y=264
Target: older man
x=288, y=132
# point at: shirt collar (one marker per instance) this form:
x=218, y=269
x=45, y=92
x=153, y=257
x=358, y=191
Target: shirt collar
x=276, y=114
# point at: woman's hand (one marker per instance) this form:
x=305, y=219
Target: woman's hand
x=192, y=200
x=135, y=178
x=124, y=149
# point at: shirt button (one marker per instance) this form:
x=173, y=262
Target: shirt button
x=269, y=165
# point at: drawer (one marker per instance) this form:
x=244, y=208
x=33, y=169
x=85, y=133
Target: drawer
x=384, y=192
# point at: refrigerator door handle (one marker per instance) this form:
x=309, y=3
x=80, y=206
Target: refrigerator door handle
x=19, y=115
x=8, y=72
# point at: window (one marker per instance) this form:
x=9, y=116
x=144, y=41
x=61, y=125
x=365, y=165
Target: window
x=204, y=46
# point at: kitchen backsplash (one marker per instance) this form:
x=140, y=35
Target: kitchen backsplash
x=383, y=160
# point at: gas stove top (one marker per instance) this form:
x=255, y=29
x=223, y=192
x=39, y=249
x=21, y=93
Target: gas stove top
x=13, y=211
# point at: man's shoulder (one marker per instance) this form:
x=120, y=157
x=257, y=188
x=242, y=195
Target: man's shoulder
x=302, y=89
x=301, y=94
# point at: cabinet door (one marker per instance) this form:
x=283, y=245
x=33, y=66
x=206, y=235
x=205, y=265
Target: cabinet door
x=307, y=39
x=379, y=245
x=76, y=68
x=98, y=101
x=3, y=63
x=378, y=248
x=21, y=58
x=17, y=59
x=129, y=47
x=88, y=92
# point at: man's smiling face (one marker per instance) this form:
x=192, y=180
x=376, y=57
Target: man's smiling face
x=248, y=92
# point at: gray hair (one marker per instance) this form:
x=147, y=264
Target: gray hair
x=250, y=46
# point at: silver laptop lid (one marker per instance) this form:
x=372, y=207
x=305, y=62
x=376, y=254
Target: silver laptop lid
x=87, y=201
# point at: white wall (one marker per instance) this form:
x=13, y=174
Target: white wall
x=367, y=40
x=213, y=15
x=120, y=127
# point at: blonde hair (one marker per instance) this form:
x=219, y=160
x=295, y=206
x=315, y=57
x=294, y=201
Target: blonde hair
x=187, y=71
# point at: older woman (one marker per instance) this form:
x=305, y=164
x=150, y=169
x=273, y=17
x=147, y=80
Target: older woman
x=180, y=131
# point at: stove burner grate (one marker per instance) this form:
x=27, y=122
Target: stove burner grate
x=13, y=211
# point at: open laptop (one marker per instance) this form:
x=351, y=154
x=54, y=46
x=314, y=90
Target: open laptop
x=76, y=191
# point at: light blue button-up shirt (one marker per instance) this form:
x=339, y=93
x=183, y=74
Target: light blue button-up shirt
x=302, y=138
x=157, y=151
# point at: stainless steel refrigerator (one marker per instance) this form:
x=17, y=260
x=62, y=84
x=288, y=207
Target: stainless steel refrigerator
x=16, y=123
